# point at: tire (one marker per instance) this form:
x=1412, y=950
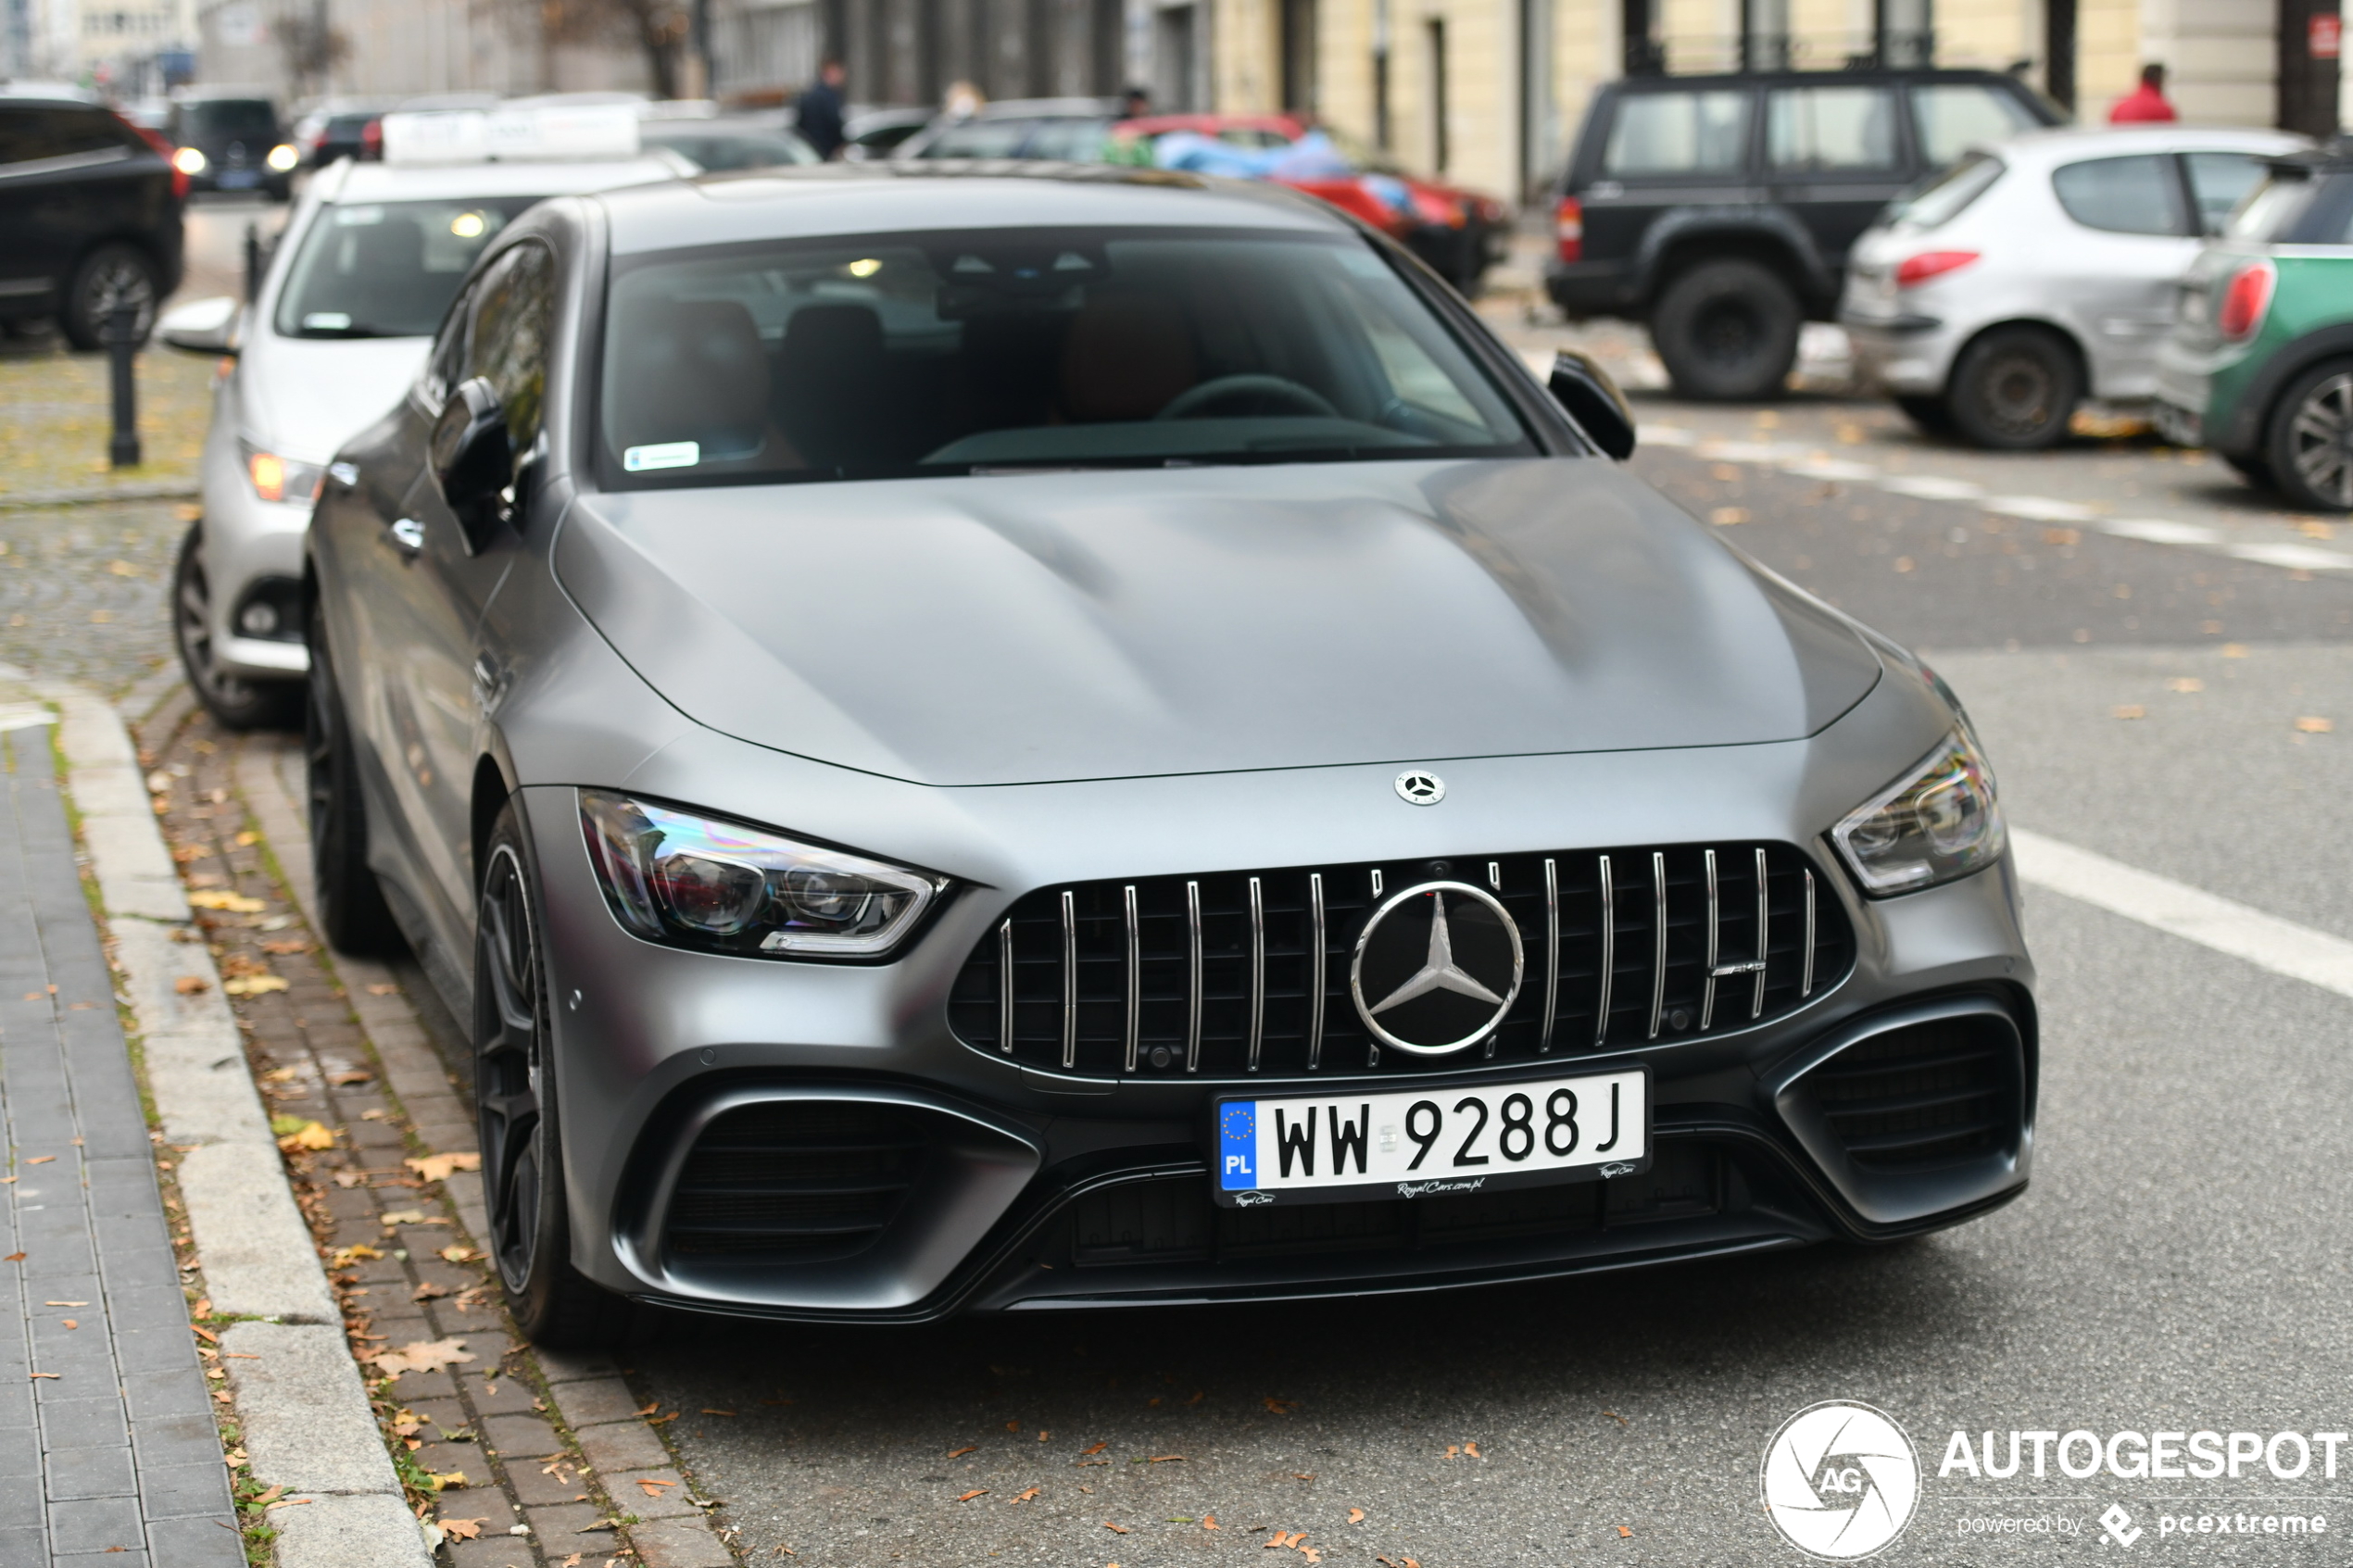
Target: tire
x=2310, y=447
x=233, y=702
x=111, y=273
x=2015, y=389
x=1727, y=330
x=2254, y=469
x=353, y=915
x=523, y=1181
x=1930, y=414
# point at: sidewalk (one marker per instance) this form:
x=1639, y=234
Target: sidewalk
x=108, y=1443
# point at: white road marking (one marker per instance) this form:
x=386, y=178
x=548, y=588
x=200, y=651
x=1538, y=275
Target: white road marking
x=1927, y=487
x=2038, y=509
x=2266, y=941
x=2161, y=530
x=2296, y=558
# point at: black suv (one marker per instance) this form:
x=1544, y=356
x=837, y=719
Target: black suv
x=234, y=137
x=89, y=215
x=1719, y=209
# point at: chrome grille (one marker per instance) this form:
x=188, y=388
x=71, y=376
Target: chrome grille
x=1242, y=972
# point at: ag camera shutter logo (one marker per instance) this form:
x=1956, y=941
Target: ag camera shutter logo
x=1840, y=1480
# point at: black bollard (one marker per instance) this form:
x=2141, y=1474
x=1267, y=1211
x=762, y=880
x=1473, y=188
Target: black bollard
x=122, y=341
x=253, y=264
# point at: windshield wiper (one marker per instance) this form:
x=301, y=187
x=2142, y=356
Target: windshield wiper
x=351, y=332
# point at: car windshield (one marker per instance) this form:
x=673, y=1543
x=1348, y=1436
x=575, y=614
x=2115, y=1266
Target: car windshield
x=1940, y=198
x=388, y=269
x=932, y=352
x=718, y=151
x=230, y=117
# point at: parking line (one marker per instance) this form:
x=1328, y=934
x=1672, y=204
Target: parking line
x=2266, y=941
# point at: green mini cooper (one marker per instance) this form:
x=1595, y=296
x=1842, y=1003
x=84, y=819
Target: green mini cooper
x=2260, y=367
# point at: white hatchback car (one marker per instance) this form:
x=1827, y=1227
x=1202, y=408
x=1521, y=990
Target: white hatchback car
x=371, y=257
x=2040, y=271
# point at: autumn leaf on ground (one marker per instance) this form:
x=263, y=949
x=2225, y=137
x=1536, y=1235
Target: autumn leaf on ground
x=1096, y=1449
x=423, y=1355
x=1163, y=1459
x=222, y=899
x=247, y=839
x=447, y=1480
x=1044, y=1435
x=1282, y=1539
x=436, y=1167
x=1198, y=1397
x=1470, y=1450
x=253, y=985
x=1028, y=1496
x=708, y=1411
x=310, y=1135
x=1281, y=1407
x=2131, y=710
x=1013, y=1426
x=2314, y=726
x=976, y=1492
x=1115, y=1529
x=188, y=852
x=461, y=1529
x=967, y=1448
x=1624, y=1534
x=346, y=1255
x=651, y=1486
x=1355, y=1517
x=189, y=984
x=1209, y=1522
x=428, y=1291
x=287, y=945
x=1454, y=1450
x=1617, y=1418
x=459, y=1255
x=351, y=1077
x=410, y=1217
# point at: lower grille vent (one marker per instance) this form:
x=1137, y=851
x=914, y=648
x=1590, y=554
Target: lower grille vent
x=804, y=1183
x=1933, y=1093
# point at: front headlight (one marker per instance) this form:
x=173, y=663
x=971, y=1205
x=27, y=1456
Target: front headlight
x=698, y=882
x=282, y=157
x=282, y=478
x=189, y=160
x=1938, y=821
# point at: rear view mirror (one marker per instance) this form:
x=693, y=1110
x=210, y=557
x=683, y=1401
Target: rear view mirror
x=1582, y=387
x=474, y=460
x=203, y=326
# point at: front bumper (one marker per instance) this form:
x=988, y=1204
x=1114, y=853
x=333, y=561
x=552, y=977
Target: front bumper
x=1037, y=1189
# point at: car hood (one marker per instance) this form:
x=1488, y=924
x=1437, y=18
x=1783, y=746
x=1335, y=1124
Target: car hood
x=304, y=398
x=1024, y=629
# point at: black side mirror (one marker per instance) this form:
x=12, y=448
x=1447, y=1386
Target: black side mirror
x=1582, y=387
x=473, y=459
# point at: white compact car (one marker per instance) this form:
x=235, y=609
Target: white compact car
x=371, y=257
x=2040, y=271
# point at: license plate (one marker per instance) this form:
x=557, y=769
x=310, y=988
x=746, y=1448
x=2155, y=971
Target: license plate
x=1426, y=1143
x=239, y=179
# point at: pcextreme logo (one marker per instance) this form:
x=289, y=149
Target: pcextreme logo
x=1840, y=1480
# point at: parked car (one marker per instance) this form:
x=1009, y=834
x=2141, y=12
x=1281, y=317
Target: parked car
x=875, y=135
x=1058, y=129
x=371, y=257
x=231, y=140
x=90, y=211
x=341, y=129
x=1719, y=210
x=1460, y=233
x=971, y=740
x=2041, y=271
x=730, y=142
x=2260, y=367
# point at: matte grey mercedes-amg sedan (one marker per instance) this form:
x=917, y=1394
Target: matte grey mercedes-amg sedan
x=983, y=737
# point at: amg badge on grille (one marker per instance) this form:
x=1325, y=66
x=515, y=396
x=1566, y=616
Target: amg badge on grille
x=1436, y=968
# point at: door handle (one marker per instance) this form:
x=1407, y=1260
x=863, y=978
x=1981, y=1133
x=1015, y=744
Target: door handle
x=408, y=536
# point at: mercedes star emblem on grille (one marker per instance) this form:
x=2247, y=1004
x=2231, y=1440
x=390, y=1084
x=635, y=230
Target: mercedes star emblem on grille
x=1420, y=786
x=1436, y=968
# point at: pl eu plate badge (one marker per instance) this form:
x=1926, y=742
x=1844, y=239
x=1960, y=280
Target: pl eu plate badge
x=1237, y=1145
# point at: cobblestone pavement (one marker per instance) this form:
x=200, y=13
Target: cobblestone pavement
x=108, y=1443
x=57, y=413
x=82, y=590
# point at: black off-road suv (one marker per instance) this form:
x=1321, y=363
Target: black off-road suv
x=1719, y=209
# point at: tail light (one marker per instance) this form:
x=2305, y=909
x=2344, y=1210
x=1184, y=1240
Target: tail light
x=1569, y=228
x=157, y=140
x=1914, y=270
x=372, y=142
x=2245, y=298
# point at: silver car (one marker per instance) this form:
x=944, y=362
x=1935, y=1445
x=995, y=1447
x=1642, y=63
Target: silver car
x=980, y=741
x=372, y=255
x=2040, y=271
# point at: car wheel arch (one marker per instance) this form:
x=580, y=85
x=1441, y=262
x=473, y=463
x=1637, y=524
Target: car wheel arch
x=492, y=790
x=1682, y=238
x=2060, y=330
x=2261, y=405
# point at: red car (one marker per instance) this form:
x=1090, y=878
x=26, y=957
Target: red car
x=1460, y=233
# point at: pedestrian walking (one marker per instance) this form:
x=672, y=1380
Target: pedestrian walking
x=2145, y=103
x=818, y=115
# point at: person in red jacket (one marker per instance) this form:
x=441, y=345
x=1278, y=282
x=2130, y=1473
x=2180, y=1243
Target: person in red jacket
x=2145, y=104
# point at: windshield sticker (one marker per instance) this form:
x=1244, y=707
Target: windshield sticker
x=356, y=216
x=665, y=455
x=326, y=321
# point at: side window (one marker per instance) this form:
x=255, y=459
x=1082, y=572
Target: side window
x=87, y=131
x=514, y=312
x=18, y=136
x=2217, y=183
x=2124, y=195
x=1820, y=130
x=443, y=369
x=1950, y=119
x=1677, y=134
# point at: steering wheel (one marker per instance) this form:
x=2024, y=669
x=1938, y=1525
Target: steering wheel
x=1195, y=402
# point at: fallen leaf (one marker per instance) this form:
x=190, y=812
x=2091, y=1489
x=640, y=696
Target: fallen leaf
x=428, y=1291
x=423, y=1355
x=2130, y=711
x=1281, y=1407
x=189, y=984
x=1209, y=1522
x=1028, y=1495
x=346, y=1255
x=13, y=1257
x=253, y=985
x=188, y=852
x=1198, y=1397
x=70, y=1322
x=41, y=1160
x=1624, y=1534
x=391, y=1217
x=459, y=1254
x=1472, y=1450
x=312, y=1136
x=437, y=1167
x=1044, y=1435
x=78, y=1304
x=382, y=988
x=1013, y=1426
x=350, y=1076
x=38, y=1375
x=446, y=1480
x=247, y=839
x=1096, y=1449
x=708, y=1411
x=959, y=1453
x=1617, y=1418
x=231, y=903
x=661, y=1419
x=1116, y=1529
x=2185, y=683
x=2233, y=650
x=461, y=1529
x=1355, y=1517
x=2315, y=726
x=1280, y=1538
x=652, y=1488
x=976, y=1492
x=291, y=1502
x=288, y=945
x=1726, y=517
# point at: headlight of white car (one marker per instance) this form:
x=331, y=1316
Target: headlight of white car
x=1938, y=821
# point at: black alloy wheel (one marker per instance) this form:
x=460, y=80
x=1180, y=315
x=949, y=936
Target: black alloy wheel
x=514, y=1104
x=109, y=276
x=353, y=915
x=1726, y=331
x=2312, y=445
x=233, y=702
x=2015, y=390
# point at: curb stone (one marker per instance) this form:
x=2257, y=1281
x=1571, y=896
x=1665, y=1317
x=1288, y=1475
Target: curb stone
x=259, y=1258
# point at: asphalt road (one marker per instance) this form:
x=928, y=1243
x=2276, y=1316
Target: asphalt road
x=2180, y=1265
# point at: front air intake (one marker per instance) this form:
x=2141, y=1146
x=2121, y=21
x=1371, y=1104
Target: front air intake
x=795, y=1180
